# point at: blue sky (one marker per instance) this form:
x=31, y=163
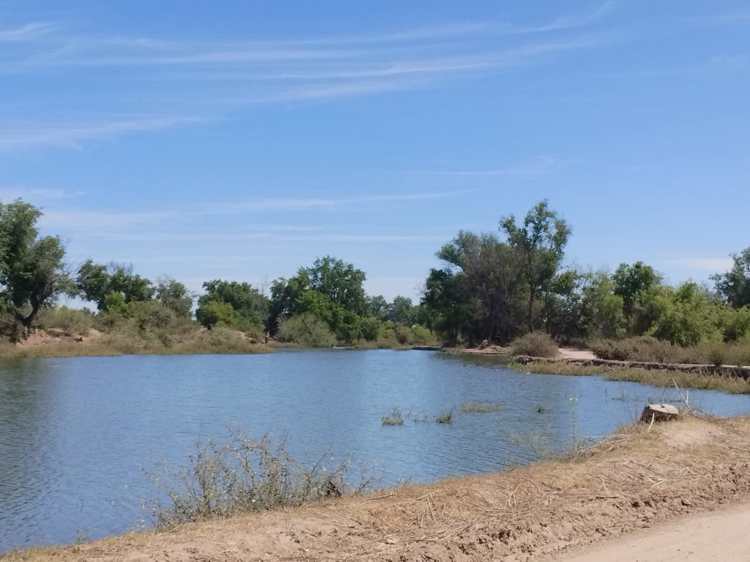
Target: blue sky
x=243, y=139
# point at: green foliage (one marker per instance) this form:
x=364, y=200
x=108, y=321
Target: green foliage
x=479, y=294
x=369, y=328
x=214, y=313
x=32, y=272
x=234, y=304
x=686, y=316
x=175, y=296
x=540, y=244
x=112, y=285
x=306, y=329
x=535, y=344
x=151, y=315
x=636, y=284
x=330, y=289
x=734, y=285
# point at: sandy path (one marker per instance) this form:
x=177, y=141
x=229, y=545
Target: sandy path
x=571, y=353
x=720, y=535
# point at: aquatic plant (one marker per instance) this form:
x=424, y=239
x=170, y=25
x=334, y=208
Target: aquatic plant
x=480, y=407
x=445, y=417
x=394, y=418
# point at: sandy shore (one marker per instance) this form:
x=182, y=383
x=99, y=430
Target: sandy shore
x=631, y=482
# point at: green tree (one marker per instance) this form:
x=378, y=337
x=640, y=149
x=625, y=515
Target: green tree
x=32, y=272
x=402, y=311
x=250, y=306
x=341, y=282
x=636, y=284
x=98, y=283
x=174, y=296
x=330, y=289
x=540, y=242
x=214, y=313
x=378, y=307
x=734, y=285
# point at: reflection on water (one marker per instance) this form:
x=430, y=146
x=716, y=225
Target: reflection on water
x=77, y=436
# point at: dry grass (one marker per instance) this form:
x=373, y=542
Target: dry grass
x=655, y=377
x=245, y=475
x=649, y=349
x=218, y=341
x=535, y=344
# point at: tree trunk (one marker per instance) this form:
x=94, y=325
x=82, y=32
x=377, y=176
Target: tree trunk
x=530, y=317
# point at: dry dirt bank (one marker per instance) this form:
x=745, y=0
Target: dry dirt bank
x=633, y=481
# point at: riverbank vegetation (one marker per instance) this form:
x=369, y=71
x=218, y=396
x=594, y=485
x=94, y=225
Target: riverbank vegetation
x=245, y=475
x=656, y=377
x=510, y=289
x=495, y=288
x=321, y=306
x=702, y=461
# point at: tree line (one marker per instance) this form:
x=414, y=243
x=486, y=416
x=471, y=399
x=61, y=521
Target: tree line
x=491, y=287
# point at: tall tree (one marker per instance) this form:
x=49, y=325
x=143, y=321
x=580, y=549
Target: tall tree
x=250, y=306
x=635, y=284
x=175, y=296
x=341, y=282
x=32, y=272
x=540, y=241
x=113, y=283
x=734, y=285
x=475, y=297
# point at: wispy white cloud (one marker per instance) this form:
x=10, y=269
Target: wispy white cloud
x=27, y=32
x=72, y=135
x=702, y=264
x=323, y=68
x=35, y=194
x=101, y=222
x=538, y=167
x=95, y=221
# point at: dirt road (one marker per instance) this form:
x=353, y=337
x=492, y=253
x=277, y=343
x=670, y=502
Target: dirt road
x=717, y=536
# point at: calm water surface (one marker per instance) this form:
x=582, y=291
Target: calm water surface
x=78, y=436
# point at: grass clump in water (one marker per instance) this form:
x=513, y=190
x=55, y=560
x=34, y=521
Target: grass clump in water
x=480, y=407
x=243, y=476
x=445, y=417
x=394, y=418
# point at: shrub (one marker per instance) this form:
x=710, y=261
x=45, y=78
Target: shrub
x=650, y=349
x=369, y=328
x=536, y=344
x=151, y=315
x=214, y=313
x=421, y=335
x=245, y=476
x=69, y=320
x=306, y=329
